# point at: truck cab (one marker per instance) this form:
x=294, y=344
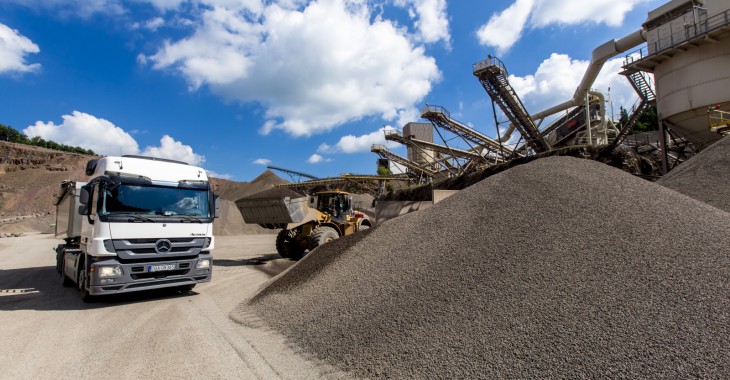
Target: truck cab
x=138, y=223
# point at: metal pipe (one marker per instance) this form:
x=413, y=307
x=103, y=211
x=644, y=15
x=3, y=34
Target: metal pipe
x=599, y=57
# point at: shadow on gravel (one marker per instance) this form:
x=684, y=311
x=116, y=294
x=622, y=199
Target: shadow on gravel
x=40, y=288
x=270, y=264
x=252, y=261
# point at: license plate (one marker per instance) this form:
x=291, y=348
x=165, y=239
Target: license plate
x=160, y=268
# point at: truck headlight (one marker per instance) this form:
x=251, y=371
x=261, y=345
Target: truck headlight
x=203, y=264
x=109, y=271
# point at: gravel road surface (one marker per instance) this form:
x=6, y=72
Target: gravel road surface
x=48, y=332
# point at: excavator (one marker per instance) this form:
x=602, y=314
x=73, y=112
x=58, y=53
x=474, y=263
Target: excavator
x=305, y=222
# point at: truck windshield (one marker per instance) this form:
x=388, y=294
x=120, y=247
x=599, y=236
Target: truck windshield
x=155, y=200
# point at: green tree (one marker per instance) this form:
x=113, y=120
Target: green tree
x=382, y=170
x=12, y=135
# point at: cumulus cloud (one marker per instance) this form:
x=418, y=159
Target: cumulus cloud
x=505, y=28
x=13, y=49
x=262, y=161
x=432, y=21
x=87, y=131
x=103, y=137
x=313, y=66
x=359, y=144
x=557, y=77
x=175, y=150
x=316, y=158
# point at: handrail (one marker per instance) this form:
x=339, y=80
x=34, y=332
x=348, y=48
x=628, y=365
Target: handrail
x=490, y=61
x=690, y=32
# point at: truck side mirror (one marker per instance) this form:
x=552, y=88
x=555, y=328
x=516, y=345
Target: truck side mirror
x=83, y=201
x=217, y=206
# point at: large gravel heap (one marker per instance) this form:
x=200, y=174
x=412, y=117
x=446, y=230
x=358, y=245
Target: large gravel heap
x=705, y=177
x=562, y=267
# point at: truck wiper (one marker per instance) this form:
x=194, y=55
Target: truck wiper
x=191, y=219
x=138, y=218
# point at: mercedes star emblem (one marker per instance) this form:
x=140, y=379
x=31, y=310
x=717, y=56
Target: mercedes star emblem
x=163, y=246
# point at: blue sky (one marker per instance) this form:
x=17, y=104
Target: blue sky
x=233, y=85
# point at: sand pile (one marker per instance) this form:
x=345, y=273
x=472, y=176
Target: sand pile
x=705, y=177
x=558, y=268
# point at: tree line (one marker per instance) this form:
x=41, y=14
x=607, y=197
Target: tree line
x=648, y=121
x=12, y=135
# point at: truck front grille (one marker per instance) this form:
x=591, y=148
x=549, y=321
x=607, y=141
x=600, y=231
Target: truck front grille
x=131, y=249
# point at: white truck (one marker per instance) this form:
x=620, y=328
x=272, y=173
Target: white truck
x=138, y=223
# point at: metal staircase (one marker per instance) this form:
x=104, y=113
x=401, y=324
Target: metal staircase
x=642, y=85
x=493, y=77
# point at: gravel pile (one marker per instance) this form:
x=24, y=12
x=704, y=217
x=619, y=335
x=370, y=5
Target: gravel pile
x=562, y=267
x=705, y=177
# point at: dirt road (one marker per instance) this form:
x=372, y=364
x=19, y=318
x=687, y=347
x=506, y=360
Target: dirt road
x=47, y=331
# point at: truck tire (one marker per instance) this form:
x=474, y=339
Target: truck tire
x=322, y=235
x=65, y=281
x=82, y=282
x=286, y=245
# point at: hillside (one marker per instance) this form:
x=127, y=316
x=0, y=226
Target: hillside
x=29, y=177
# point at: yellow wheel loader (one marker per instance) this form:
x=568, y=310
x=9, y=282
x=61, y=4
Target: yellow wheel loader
x=305, y=222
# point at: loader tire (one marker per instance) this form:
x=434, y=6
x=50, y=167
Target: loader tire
x=287, y=247
x=322, y=235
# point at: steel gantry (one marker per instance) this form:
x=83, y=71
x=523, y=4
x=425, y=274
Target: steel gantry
x=292, y=173
x=456, y=161
x=493, y=77
x=441, y=118
x=424, y=174
x=373, y=184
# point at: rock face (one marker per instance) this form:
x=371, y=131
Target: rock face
x=29, y=178
x=559, y=268
x=30, y=175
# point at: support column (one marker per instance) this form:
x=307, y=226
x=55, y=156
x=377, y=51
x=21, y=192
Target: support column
x=663, y=146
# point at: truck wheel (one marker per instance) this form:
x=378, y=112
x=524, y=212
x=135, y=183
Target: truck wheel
x=65, y=281
x=322, y=235
x=81, y=283
x=287, y=246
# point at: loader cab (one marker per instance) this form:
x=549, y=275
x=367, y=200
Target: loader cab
x=335, y=203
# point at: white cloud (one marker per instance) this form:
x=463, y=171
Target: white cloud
x=312, y=67
x=505, y=28
x=213, y=174
x=151, y=24
x=166, y=4
x=175, y=150
x=103, y=137
x=557, y=77
x=572, y=12
x=316, y=158
x=432, y=21
x=262, y=161
x=76, y=8
x=359, y=144
x=86, y=131
x=13, y=49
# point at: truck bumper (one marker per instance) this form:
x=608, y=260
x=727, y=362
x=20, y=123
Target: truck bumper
x=145, y=276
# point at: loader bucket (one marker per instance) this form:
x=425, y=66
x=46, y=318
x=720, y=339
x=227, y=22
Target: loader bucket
x=274, y=208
